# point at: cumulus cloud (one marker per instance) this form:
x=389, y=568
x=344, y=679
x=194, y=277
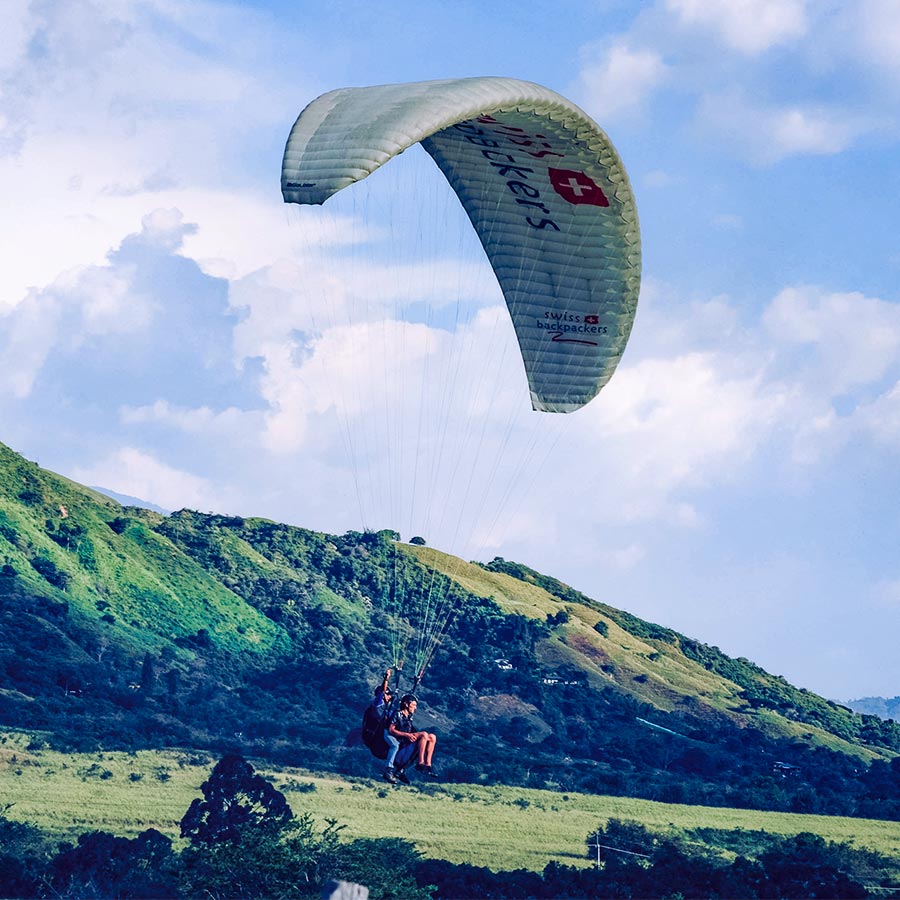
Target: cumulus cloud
x=877, y=25
x=164, y=99
x=146, y=327
x=620, y=79
x=62, y=318
x=623, y=558
x=880, y=418
x=16, y=31
x=680, y=421
x=700, y=402
x=856, y=339
x=136, y=473
x=749, y=26
x=199, y=421
x=767, y=134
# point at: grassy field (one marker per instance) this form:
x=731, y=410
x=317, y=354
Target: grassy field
x=499, y=827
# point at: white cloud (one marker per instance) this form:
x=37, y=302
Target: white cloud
x=768, y=134
x=200, y=421
x=682, y=420
x=81, y=304
x=139, y=474
x=163, y=103
x=16, y=31
x=700, y=326
x=856, y=339
x=749, y=26
x=877, y=22
x=880, y=418
x=623, y=558
x=795, y=130
x=619, y=80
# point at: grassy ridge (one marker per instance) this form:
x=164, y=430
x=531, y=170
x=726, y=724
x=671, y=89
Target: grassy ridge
x=651, y=669
x=109, y=565
x=498, y=827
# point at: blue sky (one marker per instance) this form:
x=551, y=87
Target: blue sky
x=171, y=331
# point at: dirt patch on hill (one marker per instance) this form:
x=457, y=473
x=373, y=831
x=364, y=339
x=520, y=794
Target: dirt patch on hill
x=502, y=709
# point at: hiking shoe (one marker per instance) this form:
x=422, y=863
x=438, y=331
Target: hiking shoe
x=421, y=767
x=402, y=777
x=389, y=776
x=431, y=773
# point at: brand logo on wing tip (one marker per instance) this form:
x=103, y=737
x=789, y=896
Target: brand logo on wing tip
x=576, y=187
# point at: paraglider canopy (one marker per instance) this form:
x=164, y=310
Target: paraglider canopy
x=542, y=185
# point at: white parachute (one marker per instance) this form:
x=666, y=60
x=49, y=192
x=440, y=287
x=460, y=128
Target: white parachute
x=541, y=183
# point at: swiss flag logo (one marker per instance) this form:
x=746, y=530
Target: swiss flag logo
x=576, y=187
x=592, y=320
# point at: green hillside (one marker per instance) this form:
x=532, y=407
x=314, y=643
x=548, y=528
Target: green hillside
x=74, y=546
x=657, y=665
x=123, y=629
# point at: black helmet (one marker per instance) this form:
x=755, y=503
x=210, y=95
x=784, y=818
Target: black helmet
x=406, y=699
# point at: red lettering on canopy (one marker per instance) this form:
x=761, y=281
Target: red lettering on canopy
x=576, y=187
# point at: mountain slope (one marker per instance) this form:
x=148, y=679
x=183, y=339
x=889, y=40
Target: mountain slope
x=124, y=627
x=883, y=707
x=657, y=665
x=75, y=546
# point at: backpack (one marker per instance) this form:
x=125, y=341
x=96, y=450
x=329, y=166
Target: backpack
x=374, y=722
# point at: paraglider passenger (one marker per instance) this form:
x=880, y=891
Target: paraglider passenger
x=413, y=744
x=384, y=707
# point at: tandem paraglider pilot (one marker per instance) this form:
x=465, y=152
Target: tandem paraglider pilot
x=414, y=744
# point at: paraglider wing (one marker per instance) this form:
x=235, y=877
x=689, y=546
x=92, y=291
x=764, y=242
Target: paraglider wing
x=544, y=188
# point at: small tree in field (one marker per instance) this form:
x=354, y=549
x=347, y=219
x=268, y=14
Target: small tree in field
x=246, y=842
x=234, y=798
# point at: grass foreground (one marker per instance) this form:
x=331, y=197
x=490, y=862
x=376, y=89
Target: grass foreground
x=500, y=827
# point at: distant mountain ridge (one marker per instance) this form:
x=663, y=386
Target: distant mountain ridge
x=128, y=500
x=123, y=627
x=883, y=707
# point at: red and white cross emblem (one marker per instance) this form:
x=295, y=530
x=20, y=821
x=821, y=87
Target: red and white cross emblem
x=576, y=187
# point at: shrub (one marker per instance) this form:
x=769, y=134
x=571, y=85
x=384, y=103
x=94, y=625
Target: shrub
x=51, y=572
